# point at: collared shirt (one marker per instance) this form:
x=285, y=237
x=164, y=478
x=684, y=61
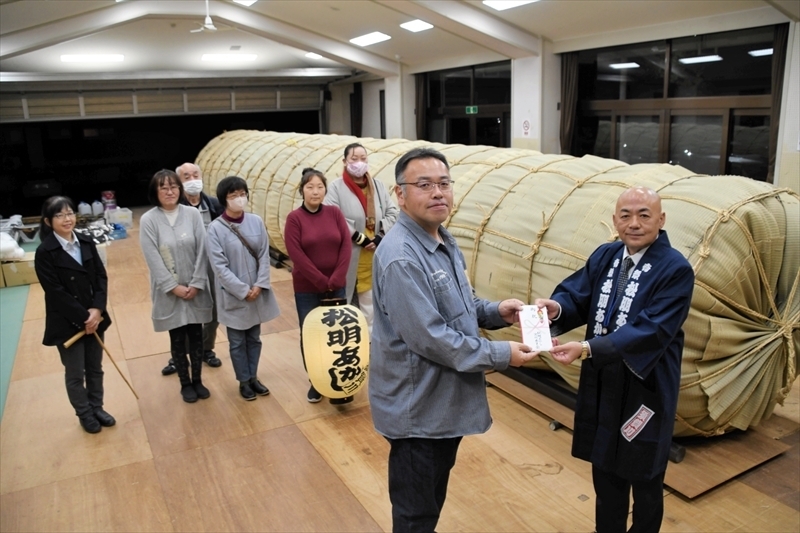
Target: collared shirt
x=73, y=247
x=428, y=358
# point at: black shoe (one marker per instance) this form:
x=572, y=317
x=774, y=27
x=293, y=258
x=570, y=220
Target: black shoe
x=202, y=392
x=169, y=369
x=211, y=359
x=341, y=401
x=313, y=396
x=188, y=393
x=90, y=424
x=258, y=387
x=246, y=392
x=105, y=419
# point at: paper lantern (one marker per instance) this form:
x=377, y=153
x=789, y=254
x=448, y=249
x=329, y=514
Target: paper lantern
x=336, y=348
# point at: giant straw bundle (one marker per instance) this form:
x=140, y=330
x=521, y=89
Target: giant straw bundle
x=526, y=220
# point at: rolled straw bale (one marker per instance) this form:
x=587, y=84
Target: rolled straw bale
x=526, y=220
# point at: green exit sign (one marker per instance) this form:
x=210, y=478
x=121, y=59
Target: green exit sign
x=472, y=110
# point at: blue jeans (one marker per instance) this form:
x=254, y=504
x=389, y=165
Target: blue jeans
x=245, y=348
x=307, y=302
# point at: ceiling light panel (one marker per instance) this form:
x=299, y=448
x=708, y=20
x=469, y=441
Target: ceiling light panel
x=246, y=3
x=700, y=59
x=312, y=55
x=623, y=65
x=759, y=53
x=370, y=38
x=502, y=5
x=416, y=25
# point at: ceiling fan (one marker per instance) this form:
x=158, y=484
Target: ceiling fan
x=208, y=24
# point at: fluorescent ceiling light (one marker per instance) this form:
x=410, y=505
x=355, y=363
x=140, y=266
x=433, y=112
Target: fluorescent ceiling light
x=312, y=55
x=624, y=65
x=700, y=59
x=416, y=25
x=228, y=57
x=759, y=53
x=246, y=3
x=502, y=5
x=92, y=58
x=370, y=38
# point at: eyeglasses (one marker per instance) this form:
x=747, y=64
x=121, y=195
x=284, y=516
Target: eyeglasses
x=428, y=186
x=59, y=216
x=170, y=188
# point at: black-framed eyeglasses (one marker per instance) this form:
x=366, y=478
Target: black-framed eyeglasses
x=428, y=186
x=59, y=216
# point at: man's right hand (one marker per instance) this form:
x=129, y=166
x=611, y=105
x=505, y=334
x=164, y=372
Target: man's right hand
x=553, y=309
x=520, y=353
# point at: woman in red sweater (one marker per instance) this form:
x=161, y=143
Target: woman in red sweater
x=318, y=243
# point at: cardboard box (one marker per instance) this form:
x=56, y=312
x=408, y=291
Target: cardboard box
x=20, y=272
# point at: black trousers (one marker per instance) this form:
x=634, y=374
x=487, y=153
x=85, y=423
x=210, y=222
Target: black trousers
x=83, y=374
x=419, y=470
x=613, y=499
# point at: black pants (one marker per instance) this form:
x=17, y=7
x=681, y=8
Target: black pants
x=613, y=498
x=419, y=470
x=83, y=374
x=183, y=340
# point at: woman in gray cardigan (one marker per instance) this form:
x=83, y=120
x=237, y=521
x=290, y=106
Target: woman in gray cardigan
x=172, y=238
x=369, y=212
x=238, y=249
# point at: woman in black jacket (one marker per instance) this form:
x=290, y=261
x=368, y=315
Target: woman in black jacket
x=75, y=292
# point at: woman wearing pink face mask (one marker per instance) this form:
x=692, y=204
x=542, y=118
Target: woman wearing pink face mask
x=369, y=213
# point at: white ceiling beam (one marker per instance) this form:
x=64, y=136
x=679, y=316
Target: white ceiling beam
x=310, y=73
x=67, y=29
x=472, y=24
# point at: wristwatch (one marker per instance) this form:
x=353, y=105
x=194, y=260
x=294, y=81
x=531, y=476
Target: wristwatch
x=584, y=350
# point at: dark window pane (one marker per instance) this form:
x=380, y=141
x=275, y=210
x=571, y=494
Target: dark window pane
x=623, y=72
x=457, y=87
x=489, y=131
x=435, y=89
x=637, y=139
x=593, y=136
x=695, y=142
x=748, y=154
x=458, y=131
x=493, y=84
x=436, y=130
x=726, y=65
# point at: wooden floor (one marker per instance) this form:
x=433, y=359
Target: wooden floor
x=282, y=464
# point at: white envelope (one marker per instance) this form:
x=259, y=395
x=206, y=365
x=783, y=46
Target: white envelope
x=535, y=328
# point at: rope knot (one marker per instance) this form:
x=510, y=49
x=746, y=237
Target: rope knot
x=726, y=215
x=705, y=251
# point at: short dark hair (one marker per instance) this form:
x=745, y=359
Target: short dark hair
x=160, y=178
x=352, y=146
x=309, y=173
x=51, y=206
x=416, y=153
x=229, y=185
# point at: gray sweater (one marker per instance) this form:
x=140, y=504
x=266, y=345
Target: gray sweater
x=175, y=255
x=236, y=272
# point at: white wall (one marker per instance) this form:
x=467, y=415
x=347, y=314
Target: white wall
x=526, y=103
x=787, y=169
x=551, y=98
x=339, y=107
x=371, y=108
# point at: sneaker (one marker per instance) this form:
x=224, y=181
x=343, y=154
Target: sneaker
x=189, y=394
x=341, y=401
x=313, y=395
x=258, y=387
x=201, y=390
x=169, y=369
x=211, y=359
x=246, y=392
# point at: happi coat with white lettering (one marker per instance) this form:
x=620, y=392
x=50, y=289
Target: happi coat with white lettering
x=628, y=391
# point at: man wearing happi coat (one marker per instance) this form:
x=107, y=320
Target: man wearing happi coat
x=633, y=295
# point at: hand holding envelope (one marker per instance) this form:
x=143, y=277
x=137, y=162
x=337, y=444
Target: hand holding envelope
x=535, y=327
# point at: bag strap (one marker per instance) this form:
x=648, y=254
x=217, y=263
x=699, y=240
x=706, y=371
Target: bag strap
x=244, y=241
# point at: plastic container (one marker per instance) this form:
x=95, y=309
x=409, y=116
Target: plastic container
x=121, y=215
x=97, y=208
x=84, y=209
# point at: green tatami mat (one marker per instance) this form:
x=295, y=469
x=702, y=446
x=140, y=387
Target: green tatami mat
x=12, y=310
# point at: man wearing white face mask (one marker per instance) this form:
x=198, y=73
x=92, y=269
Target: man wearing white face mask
x=369, y=213
x=192, y=179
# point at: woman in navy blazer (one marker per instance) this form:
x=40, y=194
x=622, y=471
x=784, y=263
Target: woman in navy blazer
x=75, y=293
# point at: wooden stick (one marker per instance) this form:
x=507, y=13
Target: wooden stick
x=72, y=340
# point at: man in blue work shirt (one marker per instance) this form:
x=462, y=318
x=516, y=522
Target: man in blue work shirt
x=427, y=387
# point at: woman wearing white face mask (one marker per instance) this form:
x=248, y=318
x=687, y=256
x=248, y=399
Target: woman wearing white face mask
x=369, y=212
x=238, y=250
